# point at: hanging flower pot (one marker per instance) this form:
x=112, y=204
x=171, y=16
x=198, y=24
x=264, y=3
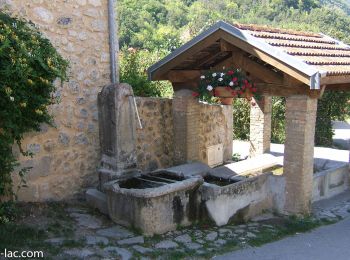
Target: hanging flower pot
x=219, y=86
x=226, y=100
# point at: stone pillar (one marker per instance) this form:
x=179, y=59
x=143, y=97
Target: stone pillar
x=260, y=126
x=299, y=153
x=117, y=128
x=186, y=127
x=228, y=131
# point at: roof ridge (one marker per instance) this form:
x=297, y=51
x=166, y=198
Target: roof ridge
x=265, y=28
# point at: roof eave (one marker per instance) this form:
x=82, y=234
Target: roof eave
x=312, y=73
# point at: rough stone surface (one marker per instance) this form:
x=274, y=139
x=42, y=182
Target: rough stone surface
x=80, y=253
x=123, y=253
x=299, y=153
x=87, y=221
x=155, y=141
x=260, y=126
x=132, y=241
x=62, y=22
x=211, y=236
x=142, y=250
x=115, y=232
x=94, y=240
x=193, y=246
x=183, y=238
x=166, y=244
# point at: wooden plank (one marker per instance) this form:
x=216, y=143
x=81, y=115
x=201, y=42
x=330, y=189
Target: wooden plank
x=266, y=58
x=249, y=65
x=211, y=39
x=177, y=76
x=338, y=87
x=286, y=91
x=332, y=80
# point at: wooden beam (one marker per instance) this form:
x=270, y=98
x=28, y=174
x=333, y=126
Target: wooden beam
x=207, y=59
x=250, y=66
x=192, y=85
x=286, y=91
x=177, y=76
x=338, y=87
x=332, y=80
x=157, y=75
x=266, y=58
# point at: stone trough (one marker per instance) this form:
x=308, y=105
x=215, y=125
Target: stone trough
x=154, y=203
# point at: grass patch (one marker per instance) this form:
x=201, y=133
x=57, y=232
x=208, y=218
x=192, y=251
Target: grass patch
x=290, y=226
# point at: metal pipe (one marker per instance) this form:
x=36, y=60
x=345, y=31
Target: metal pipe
x=113, y=45
x=136, y=110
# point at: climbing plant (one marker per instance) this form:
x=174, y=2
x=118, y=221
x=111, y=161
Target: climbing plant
x=29, y=65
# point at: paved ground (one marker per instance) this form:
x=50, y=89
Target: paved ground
x=341, y=134
x=321, y=154
x=327, y=242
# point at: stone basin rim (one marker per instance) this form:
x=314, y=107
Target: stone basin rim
x=113, y=186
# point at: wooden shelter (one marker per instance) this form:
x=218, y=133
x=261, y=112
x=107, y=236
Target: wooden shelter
x=293, y=64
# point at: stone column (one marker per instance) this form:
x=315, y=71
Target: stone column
x=260, y=126
x=186, y=127
x=299, y=153
x=117, y=129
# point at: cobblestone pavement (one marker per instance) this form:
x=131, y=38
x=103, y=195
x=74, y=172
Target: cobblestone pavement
x=98, y=238
x=324, y=243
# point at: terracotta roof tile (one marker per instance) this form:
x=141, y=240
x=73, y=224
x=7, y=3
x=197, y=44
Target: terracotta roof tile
x=321, y=51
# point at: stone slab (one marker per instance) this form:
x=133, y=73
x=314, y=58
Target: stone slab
x=97, y=200
x=115, y=232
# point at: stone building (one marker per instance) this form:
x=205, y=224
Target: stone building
x=66, y=156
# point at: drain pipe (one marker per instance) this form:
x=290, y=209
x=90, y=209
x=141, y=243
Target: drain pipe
x=113, y=44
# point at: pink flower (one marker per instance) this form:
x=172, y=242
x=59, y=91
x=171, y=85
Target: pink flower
x=195, y=94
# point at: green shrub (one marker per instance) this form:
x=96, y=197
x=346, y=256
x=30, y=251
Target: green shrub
x=29, y=64
x=241, y=119
x=332, y=106
x=278, y=120
x=133, y=70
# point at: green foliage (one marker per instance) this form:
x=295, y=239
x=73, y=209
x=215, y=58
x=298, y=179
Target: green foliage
x=133, y=70
x=29, y=64
x=332, y=106
x=241, y=119
x=158, y=25
x=278, y=120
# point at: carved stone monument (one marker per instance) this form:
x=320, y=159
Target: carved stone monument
x=117, y=128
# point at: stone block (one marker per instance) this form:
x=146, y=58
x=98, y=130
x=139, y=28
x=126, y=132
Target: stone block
x=97, y=200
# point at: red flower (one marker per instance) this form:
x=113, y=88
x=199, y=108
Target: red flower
x=234, y=79
x=195, y=94
x=230, y=72
x=240, y=92
x=243, y=87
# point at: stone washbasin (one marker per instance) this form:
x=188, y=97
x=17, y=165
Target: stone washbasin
x=154, y=203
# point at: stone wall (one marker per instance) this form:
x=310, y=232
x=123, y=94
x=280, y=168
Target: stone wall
x=155, y=142
x=66, y=156
x=216, y=127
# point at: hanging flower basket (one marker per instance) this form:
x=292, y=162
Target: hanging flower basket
x=224, y=86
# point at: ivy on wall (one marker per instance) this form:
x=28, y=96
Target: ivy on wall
x=29, y=65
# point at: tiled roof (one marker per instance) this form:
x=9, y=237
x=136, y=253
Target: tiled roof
x=322, y=52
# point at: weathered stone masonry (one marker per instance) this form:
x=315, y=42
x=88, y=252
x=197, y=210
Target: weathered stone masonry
x=66, y=156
